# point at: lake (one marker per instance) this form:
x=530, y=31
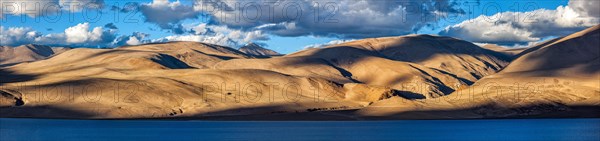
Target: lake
x=447, y=130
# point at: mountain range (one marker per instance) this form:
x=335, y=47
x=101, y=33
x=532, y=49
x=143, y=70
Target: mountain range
x=404, y=77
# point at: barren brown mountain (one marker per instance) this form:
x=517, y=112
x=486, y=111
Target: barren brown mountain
x=27, y=53
x=423, y=66
x=157, y=80
x=514, y=52
x=558, y=78
x=257, y=50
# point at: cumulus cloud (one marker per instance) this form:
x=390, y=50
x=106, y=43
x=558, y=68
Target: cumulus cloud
x=34, y=8
x=31, y=8
x=334, y=42
x=333, y=18
x=520, y=28
x=79, y=5
x=80, y=35
x=586, y=7
x=17, y=35
x=167, y=15
x=133, y=41
x=339, y=18
x=215, y=34
x=136, y=38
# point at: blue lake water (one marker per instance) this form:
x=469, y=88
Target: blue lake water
x=446, y=130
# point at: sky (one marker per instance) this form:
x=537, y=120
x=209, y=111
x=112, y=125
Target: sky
x=287, y=26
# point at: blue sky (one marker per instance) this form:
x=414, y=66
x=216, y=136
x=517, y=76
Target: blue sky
x=160, y=21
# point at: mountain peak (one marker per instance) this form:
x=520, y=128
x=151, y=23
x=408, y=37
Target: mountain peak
x=253, y=45
x=576, y=53
x=257, y=50
x=27, y=53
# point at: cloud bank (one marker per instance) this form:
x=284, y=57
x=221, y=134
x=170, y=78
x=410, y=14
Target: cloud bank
x=334, y=42
x=35, y=8
x=332, y=18
x=520, y=28
x=238, y=22
x=80, y=35
x=215, y=34
x=167, y=15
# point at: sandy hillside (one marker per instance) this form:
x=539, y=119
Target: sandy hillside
x=505, y=50
x=27, y=53
x=161, y=80
x=422, y=66
x=560, y=78
x=455, y=56
x=257, y=50
x=197, y=55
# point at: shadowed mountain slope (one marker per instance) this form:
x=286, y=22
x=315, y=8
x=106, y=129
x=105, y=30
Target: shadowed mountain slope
x=257, y=50
x=432, y=66
x=559, y=76
x=27, y=53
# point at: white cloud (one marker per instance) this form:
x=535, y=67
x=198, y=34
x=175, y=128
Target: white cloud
x=334, y=42
x=79, y=5
x=14, y=36
x=335, y=18
x=586, y=7
x=133, y=41
x=220, y=35
x=79, y=35
x=200, y=29
x=136, y=38
x=529, y=44
x=32, y=8
x=50, y=39
x=167, y=14
x=510, y=28
x=35, y=8
x=17, y=35
x=84, y=35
